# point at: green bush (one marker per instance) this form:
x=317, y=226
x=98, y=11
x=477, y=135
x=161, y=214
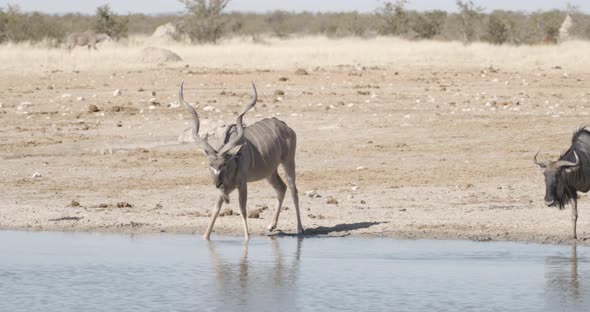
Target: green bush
x=497, y=31
x=109, y=23
x=429, y=24
x=205, y=22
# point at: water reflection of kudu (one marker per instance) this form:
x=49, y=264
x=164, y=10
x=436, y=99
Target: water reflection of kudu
x=256, y=284
x=561, y=280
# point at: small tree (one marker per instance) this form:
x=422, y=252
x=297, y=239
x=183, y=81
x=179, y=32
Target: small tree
x=109, y=23
x=469, y=16
x=497, y=30
x=429, y=24
x=395, y=17
x=205, y=22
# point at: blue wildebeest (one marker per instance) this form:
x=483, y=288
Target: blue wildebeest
x=86, y=38
x=568, y=175
x=250, y=154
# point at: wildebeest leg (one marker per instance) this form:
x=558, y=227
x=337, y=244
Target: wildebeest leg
x=213, y=217
x=289, y=167
x=243, y=198
x=575, y=216
x=281, y=188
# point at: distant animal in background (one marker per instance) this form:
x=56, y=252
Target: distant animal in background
x=250, y=154
x=568, y=175
x=87, y=38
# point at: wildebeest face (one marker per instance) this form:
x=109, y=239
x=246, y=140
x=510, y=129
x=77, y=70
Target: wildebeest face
x=554, y=186
x=555, y=173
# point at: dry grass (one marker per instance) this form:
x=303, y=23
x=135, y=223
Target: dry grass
x=307, y=52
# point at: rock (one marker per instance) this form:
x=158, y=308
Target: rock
x=226, y=212
x=117, y=93
x=363, y=202
x=80, y=99
x=93, y=108
x=153, y=101
x=116, y=108
x=312, y=194
x=24, y=105
x=66, y=95
x=301, y=72
x=332, y=201
x=119, y=124
x=124, y=205
x=167, y=32
x=255, y=214
x=283, y=79
x=74, y=203
x=279, y=93
x=36, y=175
x=158, y=55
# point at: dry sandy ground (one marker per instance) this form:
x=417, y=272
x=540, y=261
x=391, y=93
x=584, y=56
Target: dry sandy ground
x=410, y=152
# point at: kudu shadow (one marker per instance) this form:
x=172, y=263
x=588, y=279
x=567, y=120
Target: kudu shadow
x=343, y=228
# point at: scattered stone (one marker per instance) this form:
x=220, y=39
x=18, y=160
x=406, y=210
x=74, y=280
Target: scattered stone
x=140, y=90
x=312, y=194
x=66, y=96
x=119, y=124
x=255, y=214
x=50, y=87
x=124, y=205
x=153, y=101
x=103, y=206
x=36, y=175
x=360, y=168
x=226, y=212
x=283, y=79
x=116, y=108
x=24, y=105
x=80, y=99
x=117, y=93
x=93, y=108
x=301, y=72
x=332, y=201
x=354, y=188
x=279, y=93
x=403, y=209
x=74, y=203
x=363, y=202
x=67, y=219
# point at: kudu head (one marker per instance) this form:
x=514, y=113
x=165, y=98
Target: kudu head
x=223, y=163
x=555, y=178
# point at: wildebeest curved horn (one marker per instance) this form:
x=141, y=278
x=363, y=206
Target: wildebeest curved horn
x=566, y=164
x=240, y=124
x=203, y=142
x=541, y=164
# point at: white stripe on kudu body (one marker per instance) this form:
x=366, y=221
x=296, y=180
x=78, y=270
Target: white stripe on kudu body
x=250, y=154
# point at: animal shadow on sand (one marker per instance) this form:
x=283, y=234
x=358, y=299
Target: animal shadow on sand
x=343, y=229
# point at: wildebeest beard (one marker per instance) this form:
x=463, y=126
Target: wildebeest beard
x=569, y=194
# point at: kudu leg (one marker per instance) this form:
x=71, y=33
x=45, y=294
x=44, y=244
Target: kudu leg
x=213, y=217
x=281, y=188
x=243, y=198
x=290, y=173
x=574, y=217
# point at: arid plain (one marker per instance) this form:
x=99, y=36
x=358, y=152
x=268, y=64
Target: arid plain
x=396, y=138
